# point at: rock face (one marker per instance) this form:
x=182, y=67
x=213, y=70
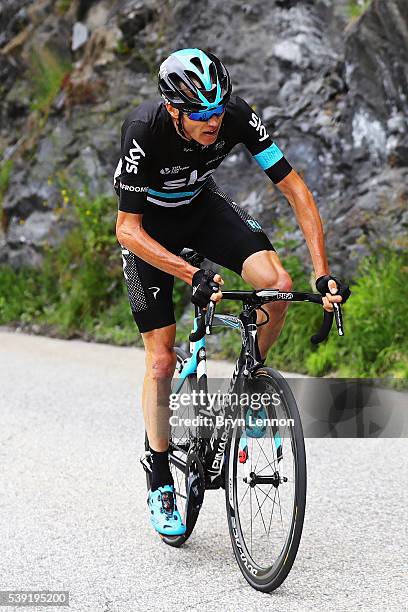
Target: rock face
x=333, y=95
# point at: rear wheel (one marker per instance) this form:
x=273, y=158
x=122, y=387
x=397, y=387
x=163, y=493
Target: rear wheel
x=185, y=465
x=266, y=483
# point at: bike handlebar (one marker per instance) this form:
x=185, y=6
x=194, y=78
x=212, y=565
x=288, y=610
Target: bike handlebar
x=258, y=298
x=324, y=329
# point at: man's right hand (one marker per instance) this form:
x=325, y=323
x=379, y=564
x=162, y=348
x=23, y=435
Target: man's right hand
x=206, y=287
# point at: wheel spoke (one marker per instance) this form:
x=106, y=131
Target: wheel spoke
x=280, y=508
x=250, y=504
x=260, y=510
x=273, y=508
x=267, y=494
x=242, y=499
x=266, y=497
x=266, y=457
x=270, y=465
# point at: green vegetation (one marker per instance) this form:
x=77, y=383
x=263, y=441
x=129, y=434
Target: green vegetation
x=5, y=172
x=63, y=6
x=48, y=73
x=122, y=48
x=376, y=340
x=79, y=291
x=356, y=8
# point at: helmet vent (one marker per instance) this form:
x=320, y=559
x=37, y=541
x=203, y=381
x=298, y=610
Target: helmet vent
x=213, y=75
x=197, y=63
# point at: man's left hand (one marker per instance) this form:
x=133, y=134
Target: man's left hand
x=332, y=290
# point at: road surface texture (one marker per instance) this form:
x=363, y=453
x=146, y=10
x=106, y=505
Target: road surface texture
x=73, y=501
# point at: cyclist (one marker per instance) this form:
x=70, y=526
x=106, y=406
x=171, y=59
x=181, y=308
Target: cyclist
x=168, y=200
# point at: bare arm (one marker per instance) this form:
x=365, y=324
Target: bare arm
x=131, y=235
x=308, y=218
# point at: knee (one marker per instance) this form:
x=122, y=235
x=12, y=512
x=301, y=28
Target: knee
x=276, y=279
x=284, y=281
x=160, y=364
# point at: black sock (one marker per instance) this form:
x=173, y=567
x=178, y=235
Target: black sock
x=161, y=474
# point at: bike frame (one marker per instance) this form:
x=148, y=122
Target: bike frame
x=212, y=447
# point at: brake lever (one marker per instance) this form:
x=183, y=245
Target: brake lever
x=338, y=317
x=210, y=317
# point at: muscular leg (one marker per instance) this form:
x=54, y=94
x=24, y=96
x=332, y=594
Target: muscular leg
x=160, y=366
x=264, y=270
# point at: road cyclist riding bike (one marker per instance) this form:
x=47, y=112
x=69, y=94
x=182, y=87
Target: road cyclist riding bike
x=245, y=437
x=168, y=200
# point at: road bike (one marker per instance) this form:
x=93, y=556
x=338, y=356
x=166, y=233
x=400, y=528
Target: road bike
x=250, y=442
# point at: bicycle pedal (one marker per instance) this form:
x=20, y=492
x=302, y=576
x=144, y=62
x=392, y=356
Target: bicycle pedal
x=145, y=460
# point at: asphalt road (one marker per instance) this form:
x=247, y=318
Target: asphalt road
x=73, y=513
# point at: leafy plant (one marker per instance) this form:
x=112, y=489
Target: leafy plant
x=48, y=72
x=63, y=6
x=356, y=8
x=5, y=172
x=376, y=342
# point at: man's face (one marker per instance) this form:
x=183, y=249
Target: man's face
x=203, y=132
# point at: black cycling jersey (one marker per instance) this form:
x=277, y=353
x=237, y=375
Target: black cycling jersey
x=213, y=225
x=159, y=167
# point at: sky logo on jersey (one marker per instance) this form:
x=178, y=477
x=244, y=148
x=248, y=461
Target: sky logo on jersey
x=258, y=125
x=191, y=180
x=133, y=157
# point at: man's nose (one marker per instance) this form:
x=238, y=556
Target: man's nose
x=214, y=121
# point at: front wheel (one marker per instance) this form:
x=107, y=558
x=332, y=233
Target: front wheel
x=266, y=481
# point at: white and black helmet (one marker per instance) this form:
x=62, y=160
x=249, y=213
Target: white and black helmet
x=193, y=80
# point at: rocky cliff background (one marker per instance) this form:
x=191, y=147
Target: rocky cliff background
x=332, y=90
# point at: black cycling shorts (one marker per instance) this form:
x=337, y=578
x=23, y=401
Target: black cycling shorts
x=213, y=225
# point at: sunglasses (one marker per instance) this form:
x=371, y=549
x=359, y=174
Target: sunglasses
x=206, y=115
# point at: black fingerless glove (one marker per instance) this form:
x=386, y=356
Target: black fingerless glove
x=322, y=285
x=203, y=287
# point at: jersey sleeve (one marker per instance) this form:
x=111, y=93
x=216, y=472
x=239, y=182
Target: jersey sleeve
x=131, y=178
x=254, y=135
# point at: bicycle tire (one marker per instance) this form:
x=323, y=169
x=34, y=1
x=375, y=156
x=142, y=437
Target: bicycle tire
x=190, y=510
x=263, y=577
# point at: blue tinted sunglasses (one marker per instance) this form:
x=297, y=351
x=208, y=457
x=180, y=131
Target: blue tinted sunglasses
x=206, y=115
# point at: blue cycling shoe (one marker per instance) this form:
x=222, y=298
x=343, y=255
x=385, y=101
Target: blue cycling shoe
x=164, y=515
x=255, y=423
